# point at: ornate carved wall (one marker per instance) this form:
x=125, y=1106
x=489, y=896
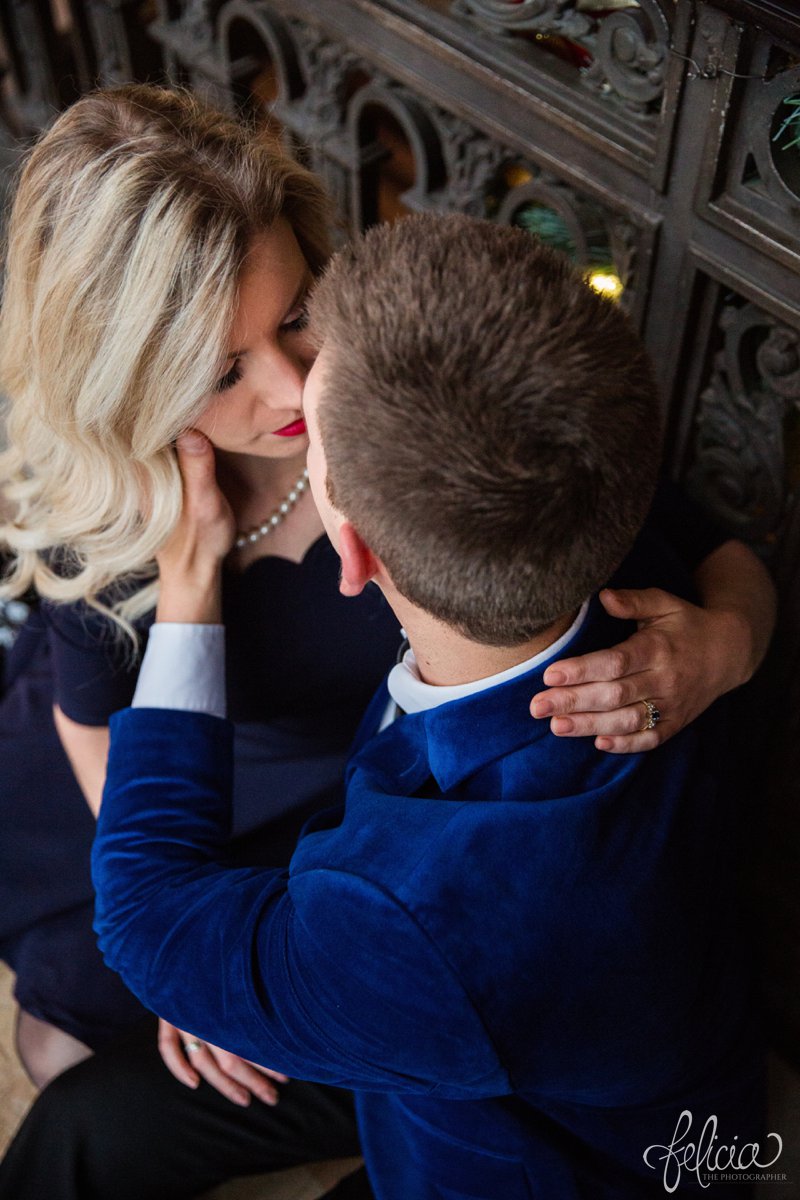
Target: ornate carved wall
x=658, y=142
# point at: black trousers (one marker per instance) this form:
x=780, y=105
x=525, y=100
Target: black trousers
x=118, y=1126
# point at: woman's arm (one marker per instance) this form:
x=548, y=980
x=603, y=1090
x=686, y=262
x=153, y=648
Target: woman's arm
x=682, y=658
x=86, y=747
x=734, y=583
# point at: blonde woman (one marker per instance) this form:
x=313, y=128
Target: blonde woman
x=159, y=258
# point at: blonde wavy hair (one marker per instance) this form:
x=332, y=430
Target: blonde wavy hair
x=130, y=225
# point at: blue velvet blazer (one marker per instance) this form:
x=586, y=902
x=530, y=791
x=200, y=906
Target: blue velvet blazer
x=519, y=951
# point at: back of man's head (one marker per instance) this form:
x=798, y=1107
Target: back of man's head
x=490, y=424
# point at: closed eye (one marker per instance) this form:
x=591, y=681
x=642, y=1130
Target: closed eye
x=231, y=378
x=297, y=320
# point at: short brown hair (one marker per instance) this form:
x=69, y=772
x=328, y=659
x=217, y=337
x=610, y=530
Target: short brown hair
x=490, y=423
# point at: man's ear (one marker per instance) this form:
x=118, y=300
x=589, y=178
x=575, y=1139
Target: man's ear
x=359, y=564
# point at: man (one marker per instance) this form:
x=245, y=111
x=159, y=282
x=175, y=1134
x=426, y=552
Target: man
x=517, y=950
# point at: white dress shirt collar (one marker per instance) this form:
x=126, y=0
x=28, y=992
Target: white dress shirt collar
x=411, y=694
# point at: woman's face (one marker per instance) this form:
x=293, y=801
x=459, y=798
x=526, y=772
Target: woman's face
x=256, y=406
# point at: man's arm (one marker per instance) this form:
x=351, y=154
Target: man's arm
x=320, y=974
x=291, y=971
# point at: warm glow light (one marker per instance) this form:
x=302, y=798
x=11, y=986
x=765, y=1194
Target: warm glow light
x=516, y=175
x=605, y=283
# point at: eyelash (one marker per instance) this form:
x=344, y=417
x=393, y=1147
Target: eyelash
x=299, y=322
x=232, y=377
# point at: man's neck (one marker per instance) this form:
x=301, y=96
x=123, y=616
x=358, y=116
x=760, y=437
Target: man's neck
x=445, y=657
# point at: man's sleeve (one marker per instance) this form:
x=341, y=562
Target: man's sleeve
x=321, y=974
x=183, y=667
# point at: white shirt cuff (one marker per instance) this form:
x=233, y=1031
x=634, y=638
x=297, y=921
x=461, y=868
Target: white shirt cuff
x=184, y=668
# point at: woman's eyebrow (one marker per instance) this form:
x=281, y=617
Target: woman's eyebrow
x=305, y=284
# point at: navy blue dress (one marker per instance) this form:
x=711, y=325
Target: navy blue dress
x=302, y=664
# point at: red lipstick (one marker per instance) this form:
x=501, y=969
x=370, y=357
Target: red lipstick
x=292, y=430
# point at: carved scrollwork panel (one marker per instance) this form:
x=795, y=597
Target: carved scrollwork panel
x=34, y=94
x=740, y=467
x=187, y=31
x=778, y=360
x=338, y=183
x=315, y=119
x=621, y=52
x=327, y=68
x=631, y=48
x=472, y=162
x=395, y=148
x=259, y=59
x=109, y=36
x=197, y=26
x=541, y=16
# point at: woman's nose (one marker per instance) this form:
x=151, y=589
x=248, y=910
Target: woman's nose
x=287, y=376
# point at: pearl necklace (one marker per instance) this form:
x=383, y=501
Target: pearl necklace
x=281, y=512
